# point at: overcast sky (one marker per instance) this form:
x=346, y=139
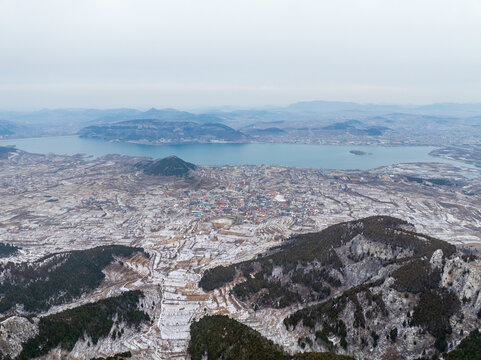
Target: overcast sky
x=194, y=53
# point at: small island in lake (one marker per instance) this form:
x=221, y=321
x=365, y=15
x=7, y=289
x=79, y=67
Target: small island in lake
x=359, y=152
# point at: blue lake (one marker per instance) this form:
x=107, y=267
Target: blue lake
x=298, y=155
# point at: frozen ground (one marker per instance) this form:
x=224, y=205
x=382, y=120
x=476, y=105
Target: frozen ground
x=219, y=216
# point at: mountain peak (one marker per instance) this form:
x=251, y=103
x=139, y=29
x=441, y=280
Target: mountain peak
x=168, y=166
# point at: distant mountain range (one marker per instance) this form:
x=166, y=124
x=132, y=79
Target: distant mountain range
x=259, y=124
x=439, y=109
x=163, y=132
x=95, y=116
x=101, y=116
x=355, y=127
x=47, y=122
x=8, y=128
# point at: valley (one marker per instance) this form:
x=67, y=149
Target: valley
x=213, y=216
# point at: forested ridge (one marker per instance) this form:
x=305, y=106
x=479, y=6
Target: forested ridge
x=7, y=250
x=89, y=322
x=57, y=278
x=309, y=268
x=220, y=337
x=306, y=262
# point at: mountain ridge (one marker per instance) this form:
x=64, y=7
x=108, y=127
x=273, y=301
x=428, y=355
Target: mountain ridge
x=367, y=287
x=168, y=166
x=153, y=131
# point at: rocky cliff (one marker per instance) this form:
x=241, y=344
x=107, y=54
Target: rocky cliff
x=371, y=288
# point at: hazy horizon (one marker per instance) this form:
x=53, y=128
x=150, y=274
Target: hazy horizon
x=195, y=54
x=229, y=107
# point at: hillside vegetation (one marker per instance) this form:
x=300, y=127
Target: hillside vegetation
x=87, y=322
x=300, y=270
x=7, y=250
x=468, y=349
x=360, y=285
x=169, y=166
x=220, y=337
x=56, y=279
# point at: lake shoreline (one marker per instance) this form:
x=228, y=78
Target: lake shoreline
x=352, y=144
x=320, y=156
